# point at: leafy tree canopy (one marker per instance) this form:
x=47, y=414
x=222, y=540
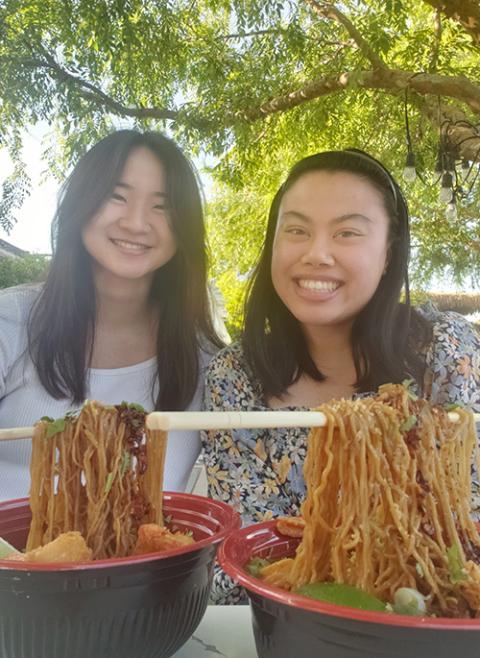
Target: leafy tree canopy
x=255, y=85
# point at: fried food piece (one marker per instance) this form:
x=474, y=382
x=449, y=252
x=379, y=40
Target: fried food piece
x=291, y=526
x=153, y=538
x=67, y=547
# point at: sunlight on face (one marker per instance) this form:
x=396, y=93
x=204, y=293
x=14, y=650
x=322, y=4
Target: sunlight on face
x=131, y=236
x=330, y=247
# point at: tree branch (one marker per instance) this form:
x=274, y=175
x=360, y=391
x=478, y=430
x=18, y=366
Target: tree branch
x=436, y=44
x=392, y=82
x=328, y=10
x=92, y=92
x=465, y=12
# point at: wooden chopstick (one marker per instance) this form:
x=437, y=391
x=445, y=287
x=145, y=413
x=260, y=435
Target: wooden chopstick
x=217, y=420
x=229, y=420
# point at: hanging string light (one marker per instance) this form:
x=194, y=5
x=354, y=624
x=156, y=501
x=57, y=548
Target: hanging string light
x=455, y=174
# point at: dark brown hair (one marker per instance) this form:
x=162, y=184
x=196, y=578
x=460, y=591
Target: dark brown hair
x=62, y=323
x=384, y=347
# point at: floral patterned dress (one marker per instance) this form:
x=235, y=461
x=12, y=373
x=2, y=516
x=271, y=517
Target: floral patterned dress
x=259, y=472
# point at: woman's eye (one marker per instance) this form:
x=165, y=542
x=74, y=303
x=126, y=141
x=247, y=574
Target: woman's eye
x=348, y=234
x=159, y=207
x=295, y=230
x=117, y=197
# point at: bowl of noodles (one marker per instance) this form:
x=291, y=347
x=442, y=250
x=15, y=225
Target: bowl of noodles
x=101, y=563
x=384, y=560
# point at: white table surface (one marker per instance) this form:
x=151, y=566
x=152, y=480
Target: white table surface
x=224, y=632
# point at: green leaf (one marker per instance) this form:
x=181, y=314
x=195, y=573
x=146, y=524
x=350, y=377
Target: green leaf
x=407, y=383
x=55, y=427
x=342, y=594
x=126, y=463
x=256, y=564
x=109, y=482
x=6, y=549
x=451, y=406
x=407, y=425
x=455, y=565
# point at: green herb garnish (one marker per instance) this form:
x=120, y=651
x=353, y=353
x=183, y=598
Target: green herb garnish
x=451, y=406
x=407, y=384
x=407, y=424
x=455, y=565
x=133, y=405
x=55, y=427
x=109, y=482
x=256, y=564
x=126, y=463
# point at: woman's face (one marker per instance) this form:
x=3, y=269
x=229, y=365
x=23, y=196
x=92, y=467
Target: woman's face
x=330, y=247
x=130, y=236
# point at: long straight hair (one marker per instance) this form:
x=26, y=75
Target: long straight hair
x=62, y=323
x=383, y=343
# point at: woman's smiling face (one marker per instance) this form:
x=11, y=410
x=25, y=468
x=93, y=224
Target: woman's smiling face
x=131, y=236
x=330, y=247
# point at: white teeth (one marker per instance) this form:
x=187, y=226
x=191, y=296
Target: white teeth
x=321, y=286
x=129, y=245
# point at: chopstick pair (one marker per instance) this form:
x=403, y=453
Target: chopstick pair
x=208, y=420
x=218, y=420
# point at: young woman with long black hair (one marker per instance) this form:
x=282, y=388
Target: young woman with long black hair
x=123, y=313
x=324, y=320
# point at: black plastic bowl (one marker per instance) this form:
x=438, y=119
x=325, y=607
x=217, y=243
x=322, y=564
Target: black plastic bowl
x=288, y=625
x=145, y=606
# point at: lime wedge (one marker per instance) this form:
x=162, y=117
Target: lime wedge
x=6, y=549
x=342, y=595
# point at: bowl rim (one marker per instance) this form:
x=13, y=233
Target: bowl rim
x=232, y=522
x=255, y=585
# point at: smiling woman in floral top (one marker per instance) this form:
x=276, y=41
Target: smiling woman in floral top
x=323, y=320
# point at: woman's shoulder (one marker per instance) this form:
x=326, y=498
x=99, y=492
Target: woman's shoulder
x=230, y=358
x=450, y=328
x=16, y=302
x=229, y=382
x=452, y=359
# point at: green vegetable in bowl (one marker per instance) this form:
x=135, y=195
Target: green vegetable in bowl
x=342, y=594
x=409, y=601
x=6, y=549
x=256, y=564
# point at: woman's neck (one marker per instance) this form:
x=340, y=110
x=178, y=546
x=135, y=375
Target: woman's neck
x=125, y=325
x=126, y=302
x=330, y=347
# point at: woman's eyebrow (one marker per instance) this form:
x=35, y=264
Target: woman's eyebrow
x=126, y=186
x=351, y=215
x=295, y=214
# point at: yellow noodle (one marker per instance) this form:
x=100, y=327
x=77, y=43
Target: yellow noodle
x=385, y=504
x=97, y=476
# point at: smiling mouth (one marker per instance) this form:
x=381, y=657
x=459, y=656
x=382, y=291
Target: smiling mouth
x=318, y=286
x=130, y=246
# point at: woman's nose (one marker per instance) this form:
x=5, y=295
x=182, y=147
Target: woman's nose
x=319, y=252
x=135, y=218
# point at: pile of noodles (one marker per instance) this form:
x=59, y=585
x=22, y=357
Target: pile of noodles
x=388, y=503
x=98, y=473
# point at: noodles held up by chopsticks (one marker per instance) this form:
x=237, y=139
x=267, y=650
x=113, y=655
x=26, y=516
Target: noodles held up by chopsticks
x=98, y=473
x=388, y=503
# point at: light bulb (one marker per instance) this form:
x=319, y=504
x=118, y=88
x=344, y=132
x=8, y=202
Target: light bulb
x=446, y=191
x=451, y=211
x=445, y=195
x=409, y=173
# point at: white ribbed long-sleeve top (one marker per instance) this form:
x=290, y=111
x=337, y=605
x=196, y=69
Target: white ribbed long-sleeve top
x=23, y=400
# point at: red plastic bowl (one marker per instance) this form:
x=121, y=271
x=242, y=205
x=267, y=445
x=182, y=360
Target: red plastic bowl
x=144, y=606
x=289, y=625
